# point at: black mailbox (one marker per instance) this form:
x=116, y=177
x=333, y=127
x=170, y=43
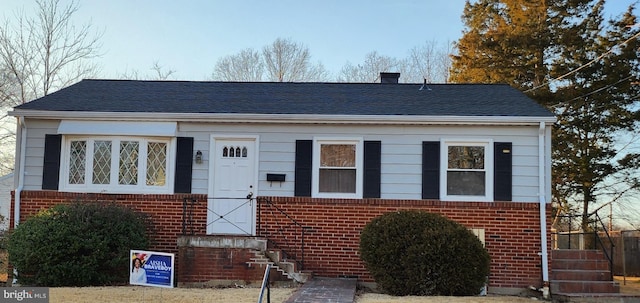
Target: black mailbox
x=276, y=177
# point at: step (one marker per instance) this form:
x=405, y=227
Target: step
x=577, y=254
x=565, y=286
x=581, y=275
x=596, y=298
x=579, y=264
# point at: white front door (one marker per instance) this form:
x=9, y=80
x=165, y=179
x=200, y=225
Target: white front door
x=230, y=207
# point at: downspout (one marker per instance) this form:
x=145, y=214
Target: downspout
x=543, y=210
x=22, y=134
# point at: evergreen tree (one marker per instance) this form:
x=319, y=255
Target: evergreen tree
x=565, y=56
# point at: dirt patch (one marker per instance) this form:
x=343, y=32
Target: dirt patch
x=198, y=295
x=153, y=294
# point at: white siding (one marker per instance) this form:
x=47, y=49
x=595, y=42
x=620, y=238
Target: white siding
x=6, y=186
x=36, y=130
x=401, y=152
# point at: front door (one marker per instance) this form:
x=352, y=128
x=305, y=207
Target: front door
x=230, y=207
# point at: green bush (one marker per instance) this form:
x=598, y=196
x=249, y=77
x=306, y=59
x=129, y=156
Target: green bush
x=420, y=253
x=77, y=244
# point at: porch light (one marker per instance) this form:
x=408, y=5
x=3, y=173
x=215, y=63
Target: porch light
x=198, y=157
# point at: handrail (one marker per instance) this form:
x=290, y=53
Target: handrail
x=187, y=216
x=611, y=245
x=286, y=247
x=596, y=223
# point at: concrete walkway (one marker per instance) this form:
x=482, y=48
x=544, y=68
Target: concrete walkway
x=325, y=290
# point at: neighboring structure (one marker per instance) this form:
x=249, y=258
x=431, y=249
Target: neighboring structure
x=6, y=186
x=240, y=174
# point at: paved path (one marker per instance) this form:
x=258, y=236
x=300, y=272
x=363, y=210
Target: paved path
x=325, y=290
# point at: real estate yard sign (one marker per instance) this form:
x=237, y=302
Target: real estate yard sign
x=151, y=268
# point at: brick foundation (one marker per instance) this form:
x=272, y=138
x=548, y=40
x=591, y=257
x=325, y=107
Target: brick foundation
x=512, y=233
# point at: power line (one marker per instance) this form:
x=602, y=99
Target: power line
x=584, y=65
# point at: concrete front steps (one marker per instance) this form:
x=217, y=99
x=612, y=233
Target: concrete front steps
x=288, y=268
x=583, y=276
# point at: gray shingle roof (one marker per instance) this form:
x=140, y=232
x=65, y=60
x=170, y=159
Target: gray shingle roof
x=290, y=98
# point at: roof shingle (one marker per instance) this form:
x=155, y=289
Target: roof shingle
x=290, y=98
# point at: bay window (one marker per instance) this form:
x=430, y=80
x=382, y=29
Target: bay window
x=116, y=164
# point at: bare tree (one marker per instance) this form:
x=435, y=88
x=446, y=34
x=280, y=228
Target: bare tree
x=38, y=55
x=281, y=61
x=288, y=61
x=369, y=71
x=246, y=66
x=158, y=72
x=429, y=61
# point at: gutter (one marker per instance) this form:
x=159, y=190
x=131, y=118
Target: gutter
x=22, y=134
x=286, y=118
x=543, y=212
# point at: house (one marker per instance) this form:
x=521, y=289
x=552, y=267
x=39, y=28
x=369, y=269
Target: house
x=239, y=174
x=6, y=186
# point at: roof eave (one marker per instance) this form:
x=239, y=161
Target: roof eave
x=285, y=118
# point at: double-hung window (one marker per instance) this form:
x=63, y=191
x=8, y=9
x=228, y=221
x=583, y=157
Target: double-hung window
x=337, y=168
x=468, y=170
x=117, y=164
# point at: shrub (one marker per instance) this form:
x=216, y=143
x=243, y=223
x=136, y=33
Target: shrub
x=420, y=253
x=77, y=244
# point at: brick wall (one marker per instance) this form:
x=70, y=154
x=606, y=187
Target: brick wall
x=512, y=233
x=165, y=210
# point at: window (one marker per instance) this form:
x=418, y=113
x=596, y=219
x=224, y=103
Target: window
x=468, y=171
x=116, y=164
x=337, y=168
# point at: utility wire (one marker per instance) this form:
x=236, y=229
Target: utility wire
x=584, y=65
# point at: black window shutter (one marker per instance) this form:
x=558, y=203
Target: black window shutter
x=184, y=165
x=51, y=165
x=304, y=169
x=502, y=171
x=431, y=170
x=371, y=180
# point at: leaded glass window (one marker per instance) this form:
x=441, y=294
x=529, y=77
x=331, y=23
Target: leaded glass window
x=128, y=169
x=156, y=163
x=77, y=162
x=101, y=162
x=117, y=164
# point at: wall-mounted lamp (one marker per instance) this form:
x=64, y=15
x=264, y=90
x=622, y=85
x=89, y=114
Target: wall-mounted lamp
x=199, y=157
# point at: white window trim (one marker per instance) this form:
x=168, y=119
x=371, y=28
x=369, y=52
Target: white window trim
x=488, y=162
x=118, y=128
x=140, y=188
x=315, y=184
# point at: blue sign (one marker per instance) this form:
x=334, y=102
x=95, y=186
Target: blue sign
x=150, y=268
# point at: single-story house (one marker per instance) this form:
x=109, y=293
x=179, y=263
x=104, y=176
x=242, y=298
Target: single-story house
x=239, y=174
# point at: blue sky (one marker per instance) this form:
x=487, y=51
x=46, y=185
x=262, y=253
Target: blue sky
x=189, y=36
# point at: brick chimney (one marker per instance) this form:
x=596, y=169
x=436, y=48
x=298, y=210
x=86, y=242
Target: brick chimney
x=389, y=78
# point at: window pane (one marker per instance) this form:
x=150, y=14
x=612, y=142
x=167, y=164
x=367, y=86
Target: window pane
x=128, y=169
x=337, y=181
x=156, y=163
x=466, y=157
x=337, y=155
x=467, y=183
x=101, y=162
x=77, y=162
